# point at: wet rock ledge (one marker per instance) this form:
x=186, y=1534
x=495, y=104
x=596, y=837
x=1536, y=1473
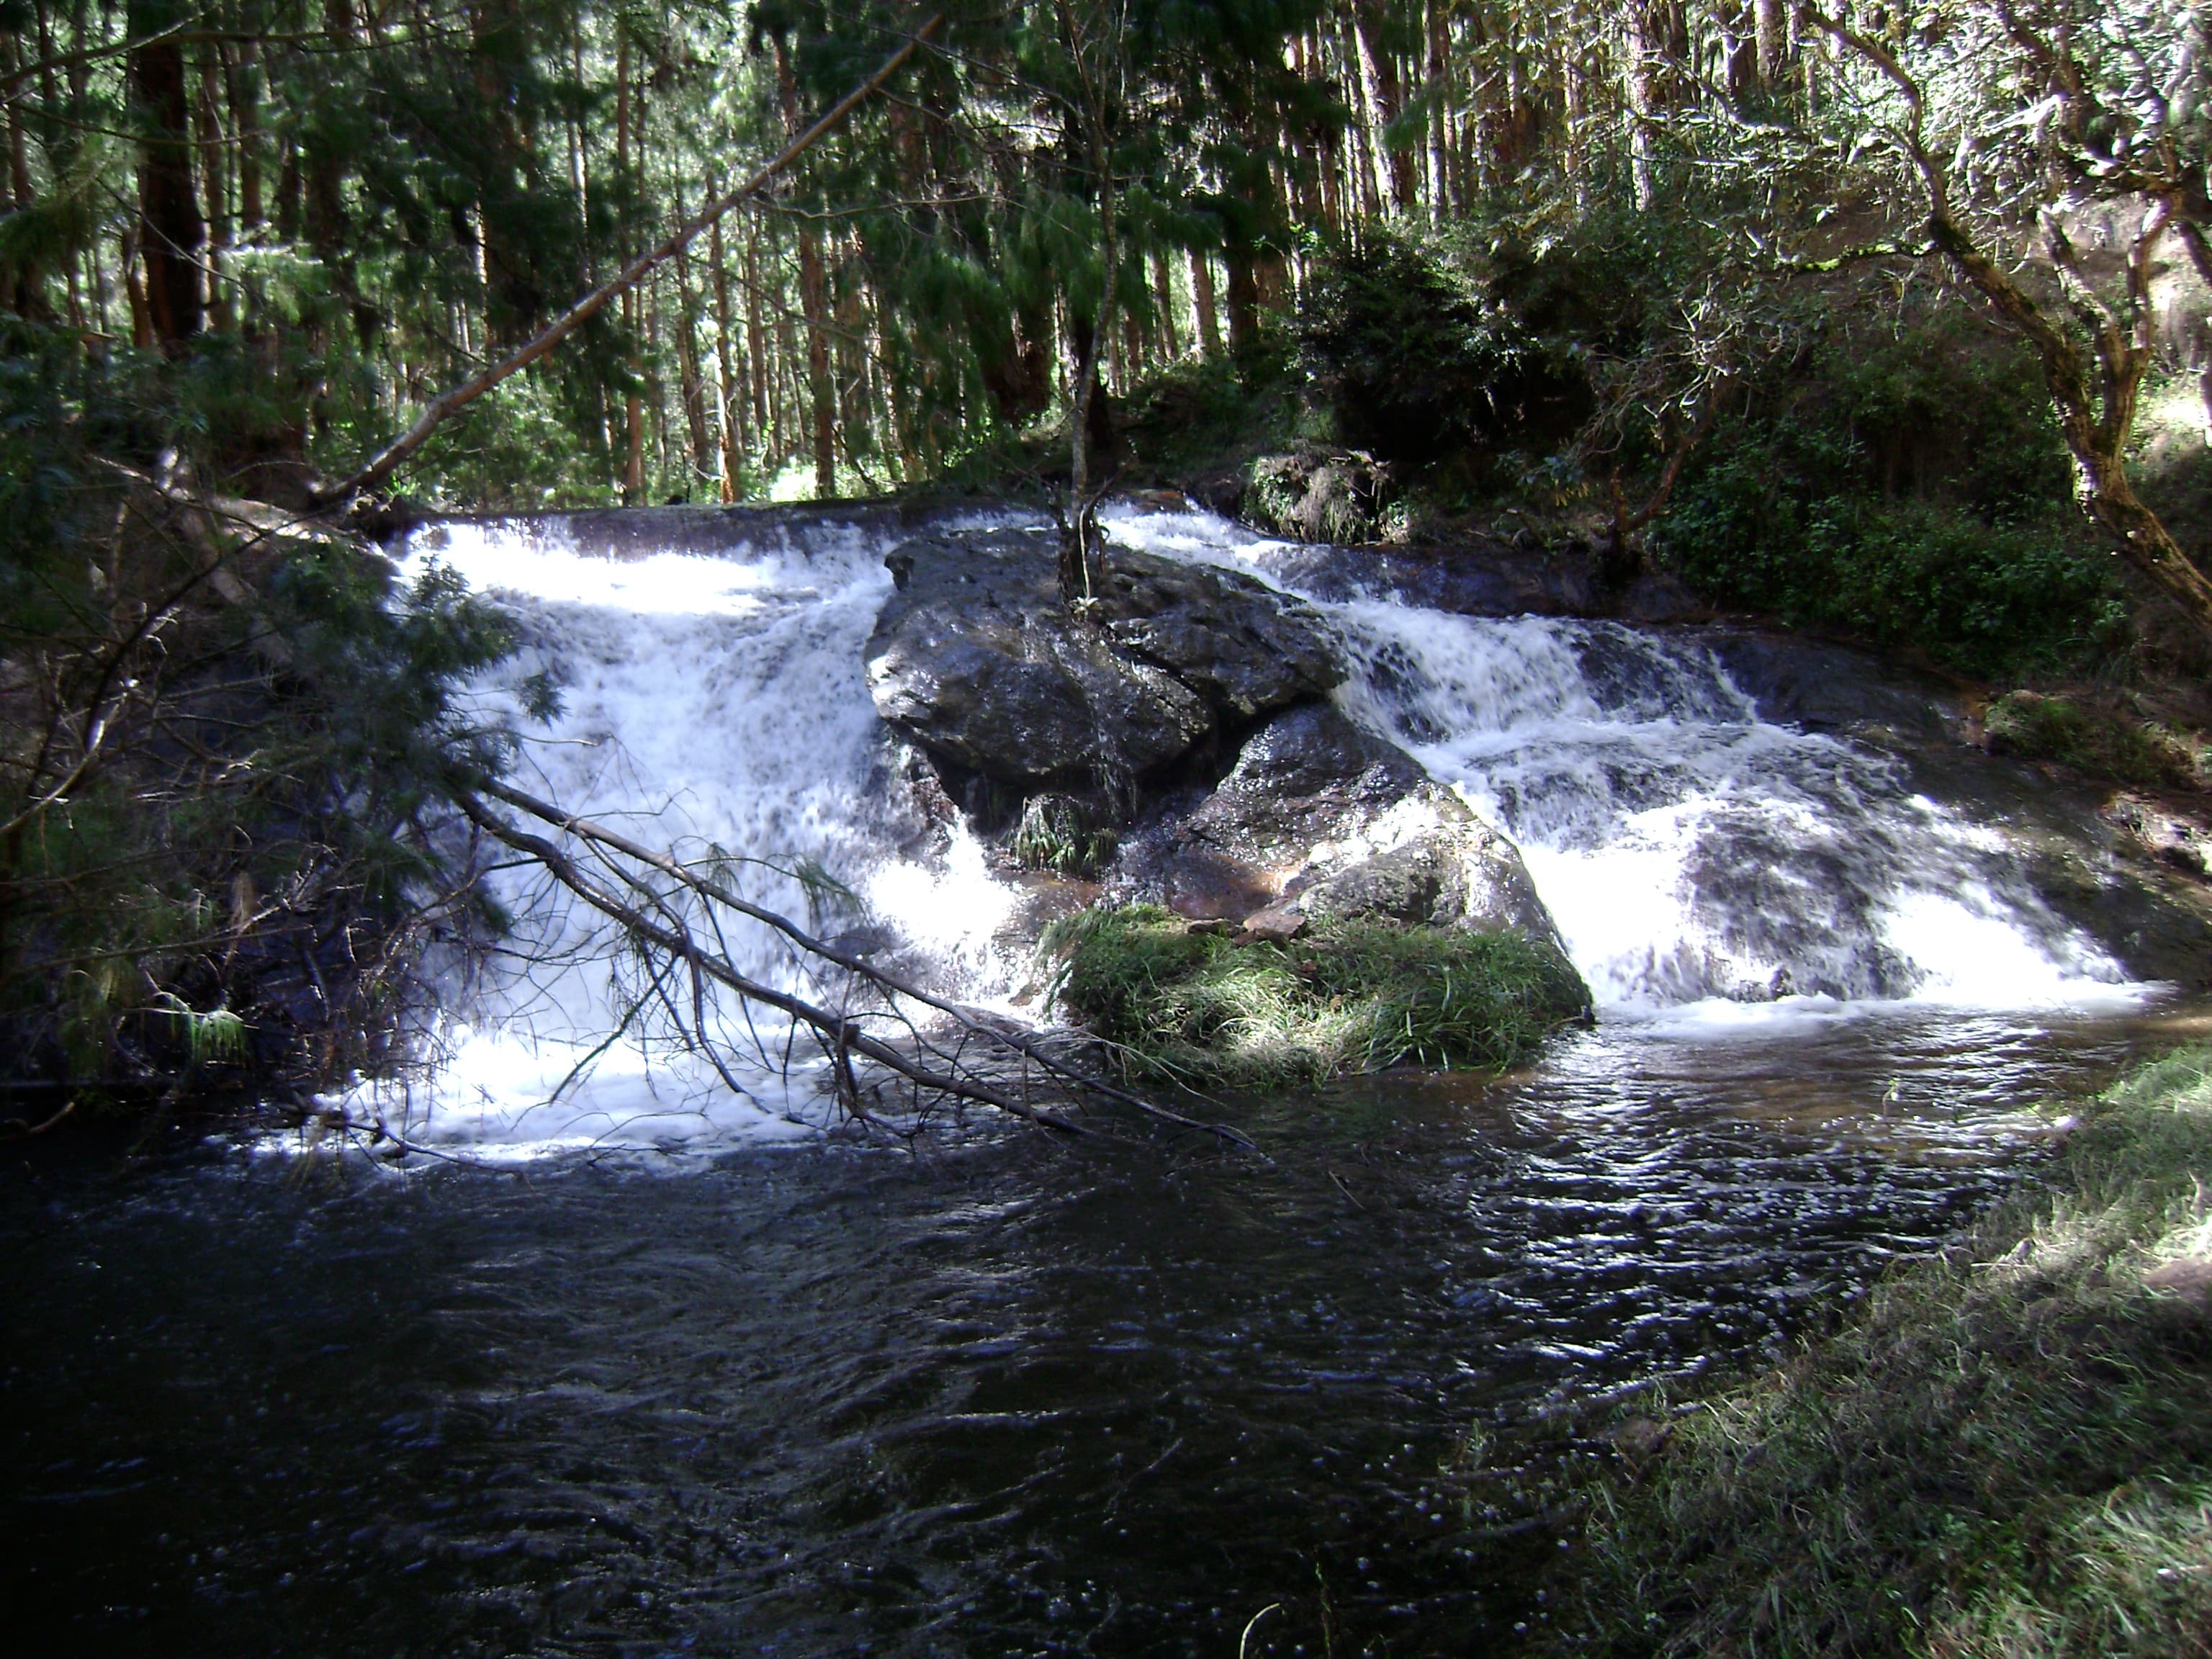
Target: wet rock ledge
x=1174, y=746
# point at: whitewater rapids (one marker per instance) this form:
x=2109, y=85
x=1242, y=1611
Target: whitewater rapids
x=1706, y=868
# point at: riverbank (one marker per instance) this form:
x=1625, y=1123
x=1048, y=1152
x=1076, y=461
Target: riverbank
x=2006, y=1451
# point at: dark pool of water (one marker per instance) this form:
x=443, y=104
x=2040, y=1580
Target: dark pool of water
x=1003, y=1397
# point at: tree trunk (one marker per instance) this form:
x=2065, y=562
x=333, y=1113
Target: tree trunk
x=213, y=172
x=729, y=395
x=245, y=114
x=1389, y=96
x=1771, y=20
x=2095, y=404
x=633, y=400
x=814, y=300
x=1201, y=301
x=1243, y=298
x=768, y=426
x=1441, y=203
x=1640, y=85
x=1164, y=302
x=172, y=236
x=693, y=381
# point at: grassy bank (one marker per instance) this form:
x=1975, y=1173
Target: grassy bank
x=1198, y=1008
x=2008, y=1452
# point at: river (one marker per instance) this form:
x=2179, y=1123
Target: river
x=672, y=1376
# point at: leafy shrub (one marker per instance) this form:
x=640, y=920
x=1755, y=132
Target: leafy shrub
x=1418, y=358
x=1906, y=484
x=1198, y=1008
x=1061, y=834
x=223, y=756
x=1321, y=496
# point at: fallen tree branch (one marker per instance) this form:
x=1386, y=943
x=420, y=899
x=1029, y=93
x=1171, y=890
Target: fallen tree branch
x=456, y=397
x=837, y=1030
x=892, y=984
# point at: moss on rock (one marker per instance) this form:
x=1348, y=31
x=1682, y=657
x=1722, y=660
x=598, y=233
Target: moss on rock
x=2103, y=742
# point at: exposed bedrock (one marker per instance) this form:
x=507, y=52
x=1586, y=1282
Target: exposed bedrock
x=975, y=659
x=1189, y=708
x=1320, y=820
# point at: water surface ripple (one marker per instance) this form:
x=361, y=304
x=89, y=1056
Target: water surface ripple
x=998, y=1397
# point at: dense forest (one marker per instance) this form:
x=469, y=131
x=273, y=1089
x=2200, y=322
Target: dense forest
x=317, y=219
x=1851, y=317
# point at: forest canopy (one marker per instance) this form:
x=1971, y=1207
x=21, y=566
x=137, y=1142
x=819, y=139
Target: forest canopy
x=302, y=222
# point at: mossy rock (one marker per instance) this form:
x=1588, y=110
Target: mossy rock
x=2100, y=741
x=1193, y=1007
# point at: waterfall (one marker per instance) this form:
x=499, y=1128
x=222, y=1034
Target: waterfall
x=711, y=701
x=1703, y=864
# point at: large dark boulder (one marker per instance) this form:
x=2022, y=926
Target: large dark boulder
x=1322, y=818
x=977, y=661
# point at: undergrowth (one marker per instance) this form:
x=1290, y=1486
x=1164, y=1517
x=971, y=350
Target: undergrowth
x=1198, y=1008
x=2007, y=1453
x=1900, y=478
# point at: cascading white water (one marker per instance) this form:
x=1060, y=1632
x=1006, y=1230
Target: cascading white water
x=1698, y=860
x=1694, y=856
x=710, y=703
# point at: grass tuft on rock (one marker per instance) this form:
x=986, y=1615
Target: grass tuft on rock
x=2100, y=742
x=2009, y=1451
x=1198, y=1008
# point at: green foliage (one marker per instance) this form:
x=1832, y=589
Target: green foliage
x=224, y=756
x=1417, y=358
x=1903, y=482
x=1198, y=1008
x=1060, y=834
x=2006, y=1453
x=2101, y=741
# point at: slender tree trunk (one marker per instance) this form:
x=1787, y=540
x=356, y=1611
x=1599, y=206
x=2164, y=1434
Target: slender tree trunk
x=1388, y=92
x=760, y=351
x=1441, y=203
x=1163, y=299
x=1202, y=303
x=213, y=173
x=693, y=383
x=730, y=397
x=1771, y=21
x=245, y=115
x=1243, y=299
x=20, y=292
x=1578, y=137
x=633, y=318
x=1640, y=86
x=1367, y=102
x=814, y=300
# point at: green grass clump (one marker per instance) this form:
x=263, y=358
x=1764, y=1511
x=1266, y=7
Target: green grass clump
x=1198, y=1008
x=2008, y=1452
x=2093, y=740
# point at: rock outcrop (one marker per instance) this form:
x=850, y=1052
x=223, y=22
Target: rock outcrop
x=976, y=661
x=1322, y=819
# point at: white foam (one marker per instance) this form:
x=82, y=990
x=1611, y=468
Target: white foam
x=711, y=705
x=1690, y=852
x=1711, y=872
